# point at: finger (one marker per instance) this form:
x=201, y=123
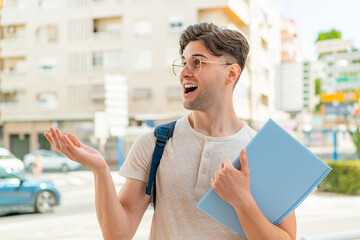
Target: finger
x=74, y=139
x=48, y=137
x=54, y=138
x=213, y=182
x=70, y=146
x=227, y=162
x=244, y=161
x=63, y=148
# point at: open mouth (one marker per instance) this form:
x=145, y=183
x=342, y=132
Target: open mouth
x=189, y=88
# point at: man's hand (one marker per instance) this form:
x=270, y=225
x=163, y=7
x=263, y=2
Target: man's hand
x=71, y=146
x=231, y=184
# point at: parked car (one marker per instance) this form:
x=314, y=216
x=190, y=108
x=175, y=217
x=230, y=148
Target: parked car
x=10, y=162
x=50, y=161
x=18, y=194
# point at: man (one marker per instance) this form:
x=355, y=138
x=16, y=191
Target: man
x=204, y=142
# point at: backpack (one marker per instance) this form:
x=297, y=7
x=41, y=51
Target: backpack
x=162, y=133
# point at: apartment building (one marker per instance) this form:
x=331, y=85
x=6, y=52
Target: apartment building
x=295, y=86
x=54, y=56
x=342, y=72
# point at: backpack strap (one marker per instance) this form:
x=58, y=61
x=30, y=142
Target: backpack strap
x=162, y=134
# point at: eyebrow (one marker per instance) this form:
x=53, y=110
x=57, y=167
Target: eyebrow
x=195, y=55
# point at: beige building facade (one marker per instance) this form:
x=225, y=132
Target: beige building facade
x=54, y=56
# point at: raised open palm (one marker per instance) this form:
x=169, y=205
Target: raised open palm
x=71, y=146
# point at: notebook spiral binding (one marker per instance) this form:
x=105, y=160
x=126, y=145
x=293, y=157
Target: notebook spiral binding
x=303, y=197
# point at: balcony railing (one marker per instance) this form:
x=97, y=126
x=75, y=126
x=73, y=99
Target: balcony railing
x=14, y=73
x=107, y=34
x=106, y=1
x=11, y=105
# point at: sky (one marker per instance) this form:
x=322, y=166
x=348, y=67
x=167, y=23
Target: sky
x=314, y=16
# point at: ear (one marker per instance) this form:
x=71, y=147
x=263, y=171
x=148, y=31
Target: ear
x=233, y=74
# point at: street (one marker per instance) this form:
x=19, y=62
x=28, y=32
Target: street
x=76, y=219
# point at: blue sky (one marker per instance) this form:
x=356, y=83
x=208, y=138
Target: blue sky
x=313, y=16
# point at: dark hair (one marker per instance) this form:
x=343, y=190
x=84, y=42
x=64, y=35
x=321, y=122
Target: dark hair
x=218, y=41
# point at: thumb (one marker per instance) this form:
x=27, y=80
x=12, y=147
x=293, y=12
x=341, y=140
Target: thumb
x=243, y=161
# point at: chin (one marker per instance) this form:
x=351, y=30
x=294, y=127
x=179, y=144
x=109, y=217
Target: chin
x=193, y=106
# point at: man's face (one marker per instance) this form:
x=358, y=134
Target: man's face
x=203, y=90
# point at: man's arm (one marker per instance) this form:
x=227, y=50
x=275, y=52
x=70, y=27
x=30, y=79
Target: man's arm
x=118, y=216
x=255, y=224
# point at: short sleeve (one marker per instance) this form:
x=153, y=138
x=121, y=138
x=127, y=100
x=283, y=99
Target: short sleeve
x=138, y=161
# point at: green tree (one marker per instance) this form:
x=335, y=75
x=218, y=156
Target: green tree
x=356, y=139
x=317, y=86
x=332, y=34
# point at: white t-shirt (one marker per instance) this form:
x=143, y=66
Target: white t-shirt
x=183, y=177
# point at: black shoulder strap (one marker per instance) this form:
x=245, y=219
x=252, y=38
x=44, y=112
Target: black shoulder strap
x=162, y=134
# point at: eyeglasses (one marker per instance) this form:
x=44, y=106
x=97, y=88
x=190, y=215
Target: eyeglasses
x=193, y=65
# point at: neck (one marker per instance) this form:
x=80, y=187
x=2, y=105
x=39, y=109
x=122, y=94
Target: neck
x=216, y=121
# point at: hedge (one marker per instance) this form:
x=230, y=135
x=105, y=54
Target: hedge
x=344, y=178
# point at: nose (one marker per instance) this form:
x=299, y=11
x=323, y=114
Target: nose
x=185, y=72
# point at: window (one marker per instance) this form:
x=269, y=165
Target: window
x=264, y=99
x=105, y=1
x=262, y=16
x=47, y=4
x=174, y=94
x=264, y=44
x=107, y=59
x=47, y=66
x=342, y=63
x=12, y=99
x=9, y=97
x=14, y=32
x=176, y=24
x=98, y=94
x=142, y=60
x=14, y=5
x=47, y=100
x=142, y=27
x=107, y=27
x=14, y=66
x=142, y=96
x=47, y=34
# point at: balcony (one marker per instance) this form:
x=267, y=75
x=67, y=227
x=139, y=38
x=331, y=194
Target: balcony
x=13, y=13
x=99, y=2
x=238, y=10
x=115, y=34
x=12, y=99
x=12, y=87
x=12, y=47
x=106, y=8
x=7, y=106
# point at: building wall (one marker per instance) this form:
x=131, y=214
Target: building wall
x=63, y=49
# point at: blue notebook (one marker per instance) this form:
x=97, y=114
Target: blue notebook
x=283, y=172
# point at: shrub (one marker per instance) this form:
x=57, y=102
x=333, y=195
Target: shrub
x=344, y=178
